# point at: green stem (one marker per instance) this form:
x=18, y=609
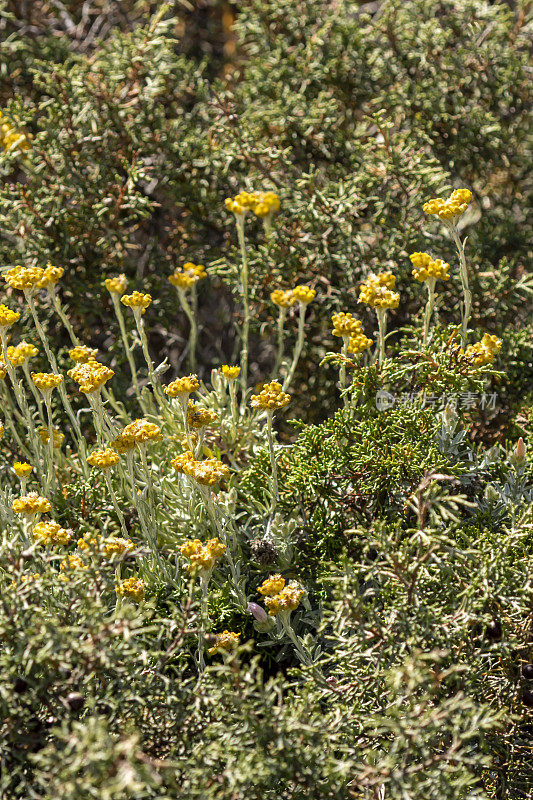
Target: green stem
x=297, y=348
x=50, y=475
x=129, y=355
x=63, y=317
x=467, y=294
x=246, y=303
x=193, y=330
x=273, y=464
x=429, y=309
x=281, y=341
x=212, y=511
x=116, y=506
x=342, y=371
x=382, y=329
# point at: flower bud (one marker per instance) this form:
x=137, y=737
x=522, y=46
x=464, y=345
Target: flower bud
x=257, y=612
x=520, y=451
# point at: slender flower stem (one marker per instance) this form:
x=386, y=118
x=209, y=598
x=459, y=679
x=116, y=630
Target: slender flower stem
x=273, y=464
x=234, y=409
x=382, y=329
x=429, y=309
x=297, y=347
x=246, y=302
x=33, y=390
x=63, y=317
x=281, y=341
x=50, y=477
x=342, y=371
x=212, y=511
x=203, y=619
x=466, y=306
x=303, y=655
x=193, y=330
x=129, y=355
x=116, y=506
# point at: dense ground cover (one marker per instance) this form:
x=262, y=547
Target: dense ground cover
x=266, y=523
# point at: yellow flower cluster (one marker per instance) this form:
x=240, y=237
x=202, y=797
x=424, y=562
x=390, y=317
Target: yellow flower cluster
x=8, y=317
x=50, y=533
x=22, y=469
x=303, y=294
x=345, y=325
x=136, y=301
x=376, y=291
x=262, y=204
x=451, y=207
x=117, y=285
x=11, y=138
x=51, y=276
x=117, y=546
x=188, y=275
x=483, y=352
x=426, y=267
x=132, y=588
x=181, y=387
x=103, y=459
x=31, y=504
x=207, y=473
x=123, y=444
x=224, y=641
x=283, y=298
x=24, y=278
x=57, y=436
x=3, y=371
x=231, y=373
x=271, y=397
x=46, y=381
x=71, y=563
x=357, y=343
x=20, y=353
x=202, y=557
x=81, y=354
x=90, y=376
x=279, y=596
x=141, y=432
x=200, y=417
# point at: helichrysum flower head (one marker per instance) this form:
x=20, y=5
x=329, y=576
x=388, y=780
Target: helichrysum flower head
x=303, y=294
x=22, y=469
x=11, y=138
x=241, y=203
x=271, y=397
x=483, y=352
x=230, y=373
x=103, y=459
x=200, y=417
x=137, y=301
x=8, y=317
x=357, y=343
x=142, y=431
x=186, y=277
x=51, y=276
x=266, y=204
x=345, y=325
x=450, y=208
x=202, y=557
x=30, y=504
x=182, y=387
x=207, y=473
x=46, y=382
x=226, y=641
x=50, y=533
x=90, y=376
x=81, y=354
x=20, y=353
x=117, y=285
x=133, y=588
x=183, y=462
x=287, y=600
x=24, y=278
x=426, y=268
x=116, y=546
x=71, y=563
x=283, y=298
x=376, y=291
x=57, y=436
x=272, y=585
x=123, y=444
